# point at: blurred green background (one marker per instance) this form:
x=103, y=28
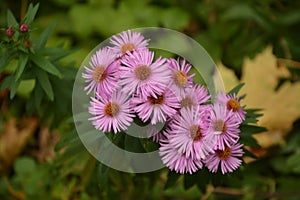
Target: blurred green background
x=40, y=153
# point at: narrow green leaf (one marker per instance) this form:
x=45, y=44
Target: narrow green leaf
x=11, y=20
x=45, y=64
x=189, y=181
x=13, y=89
x=102, y=176
x=251, y=129
x=68, y=139
x=56, y=53
x=133, y=144
x=45, y=36
x=38, y=96
x=23, y=59
x=43, y=79
x=236, y=89
x=248, y=140
x=30, y=15
x=172, y=179
x=7, y=82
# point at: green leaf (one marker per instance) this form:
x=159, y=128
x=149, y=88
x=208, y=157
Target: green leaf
x=133, y=144
x=7, y=82
x=56, y=53
x=294, y=162
x=23, y=59
x=172, y=179
x=43, y=79
x=251, y=129
x=236, y=89
x=204, y=176
x=45, y=64
x=248, y=140
x=189, y=181
x=45, y=36
x=11, y=20
x=30, y=15
x=67, y=139
x=38, y=96
x=24, y=166
x=13, y=89
x=102, y=176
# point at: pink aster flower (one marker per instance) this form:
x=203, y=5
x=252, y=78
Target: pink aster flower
x=111, y=113
x=188, y=135
x=223, y=126
x=157, y=107
x=193, y=96
x=142, y=75
x=101, y=77
x=228, y=159
x=232, y=103
x=180, y=79
x=127, y=41
x=176, y=161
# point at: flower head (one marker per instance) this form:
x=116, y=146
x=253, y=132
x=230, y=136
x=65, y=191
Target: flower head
x=232, y=103
x=142, y=75
x=177, y=161
x=102, y=76
x=188, y=135
x=127, y=41
x=157, y=107
x=193, y=96
x=111, y=113
x=223, y=126
x=180, y=79
x=228, y=159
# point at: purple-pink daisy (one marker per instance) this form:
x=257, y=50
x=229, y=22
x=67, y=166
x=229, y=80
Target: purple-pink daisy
x=156, y=107
x=180, y=79
x=227, y=159
x=127, y=41
x=177, y=161
x=232, y=103
x=111, y=112
x=188, y=135
x=102, y=74
x=223, y=126
x=193, y=96
x=143, y=75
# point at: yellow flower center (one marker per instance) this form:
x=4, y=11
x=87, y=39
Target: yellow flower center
x=225, y=154
x=220, y=126
x=233, y=104
x=195, y=132
x=127, y=47
x=180, y=78
x=142, y=72
x=159, y=100
x=112, y=109
x=99, y=73
x=187, y=102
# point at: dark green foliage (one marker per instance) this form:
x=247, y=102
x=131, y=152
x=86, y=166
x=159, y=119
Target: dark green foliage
x=229, y=30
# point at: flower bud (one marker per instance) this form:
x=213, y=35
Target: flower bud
x=24, y=28
x=27, y=43
x=10, y=32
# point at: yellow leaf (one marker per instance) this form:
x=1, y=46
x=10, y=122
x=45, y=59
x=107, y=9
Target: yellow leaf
x=280, y=108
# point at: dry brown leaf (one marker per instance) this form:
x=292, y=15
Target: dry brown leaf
x=13, y=139
x=280, y=108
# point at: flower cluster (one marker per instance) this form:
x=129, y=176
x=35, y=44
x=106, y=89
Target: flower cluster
x=127, y=82
x=19, y=35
